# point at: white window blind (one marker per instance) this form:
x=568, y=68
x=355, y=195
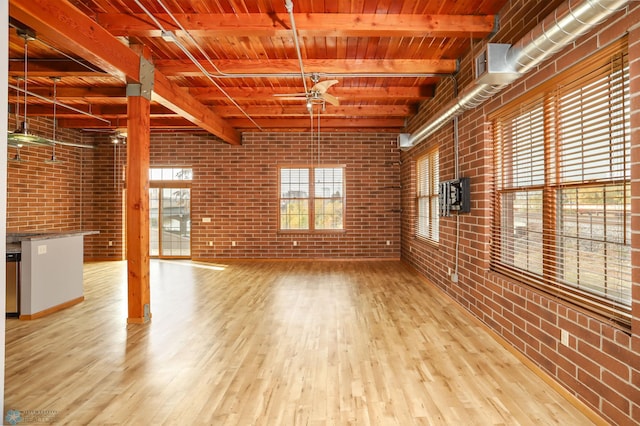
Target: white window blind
x=428, y=179
x=562, y=202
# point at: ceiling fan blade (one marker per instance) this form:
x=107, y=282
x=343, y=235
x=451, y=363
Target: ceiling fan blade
x=323, y=86
x=289, y=95
x=291, y=98
x=331, y=99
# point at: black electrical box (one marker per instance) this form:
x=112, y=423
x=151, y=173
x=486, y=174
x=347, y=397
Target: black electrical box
x=454, y=195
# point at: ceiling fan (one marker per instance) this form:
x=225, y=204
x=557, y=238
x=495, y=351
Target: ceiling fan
x=316, y=95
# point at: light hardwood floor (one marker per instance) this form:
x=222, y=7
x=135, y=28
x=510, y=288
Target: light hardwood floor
x=272, y=343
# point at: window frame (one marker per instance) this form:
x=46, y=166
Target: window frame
x=428, y=168
x=312, y=198
x=551, y=279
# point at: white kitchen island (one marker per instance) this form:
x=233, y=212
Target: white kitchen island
x=51, y=271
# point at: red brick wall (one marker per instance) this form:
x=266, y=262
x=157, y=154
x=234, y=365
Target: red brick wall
x=237, y=188
x=103, y=192
x=601, y=364
x=41, y=196
x=45, y=197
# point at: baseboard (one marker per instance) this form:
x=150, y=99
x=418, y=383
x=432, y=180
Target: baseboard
x=52, y=309
x=102, y=259
x=298, y=259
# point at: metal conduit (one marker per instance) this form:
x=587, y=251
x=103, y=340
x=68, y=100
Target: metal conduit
x=557, y=31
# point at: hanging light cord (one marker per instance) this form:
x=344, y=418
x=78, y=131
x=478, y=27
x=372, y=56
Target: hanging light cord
x=318, y=161
x=18, y=103
x=55, y=124
x=26, y=44
x=312, y=138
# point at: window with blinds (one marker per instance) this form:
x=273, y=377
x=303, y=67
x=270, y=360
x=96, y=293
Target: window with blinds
x=562, y=202
x=312, y=198
x=428, y=171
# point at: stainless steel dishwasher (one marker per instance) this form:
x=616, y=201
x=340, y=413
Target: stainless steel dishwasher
x=13, y=285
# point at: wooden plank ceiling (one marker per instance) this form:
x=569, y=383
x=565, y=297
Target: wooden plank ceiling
x=219, y=63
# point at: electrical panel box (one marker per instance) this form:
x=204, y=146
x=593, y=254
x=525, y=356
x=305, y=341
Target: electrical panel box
x=454, y=195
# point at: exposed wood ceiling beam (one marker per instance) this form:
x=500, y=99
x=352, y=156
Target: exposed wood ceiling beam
x=292, y=66
x=81, y=93
x=351, y=123
x=65, y=26
x=157, y=111
x=105, y=111
x=311, y=25
x=203, y=94
x=69, y=68
x=52, y=68
x=343, y=93
x=178, y=123
x=331, y=111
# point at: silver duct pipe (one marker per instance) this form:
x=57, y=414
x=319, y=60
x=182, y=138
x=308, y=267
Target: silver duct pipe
x=557, y=31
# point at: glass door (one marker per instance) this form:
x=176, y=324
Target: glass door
x=170, y=222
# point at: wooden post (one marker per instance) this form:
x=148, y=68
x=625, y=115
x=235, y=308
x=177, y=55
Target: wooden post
x=137, y=217
x=138, y=209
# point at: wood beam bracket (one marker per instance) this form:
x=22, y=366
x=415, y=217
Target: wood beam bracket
x=145, y=87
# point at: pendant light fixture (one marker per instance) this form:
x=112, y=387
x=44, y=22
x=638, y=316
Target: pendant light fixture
x=53, y=159
x=21, y=136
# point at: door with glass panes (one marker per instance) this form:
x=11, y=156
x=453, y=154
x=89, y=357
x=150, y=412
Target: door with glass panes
x=170, y=213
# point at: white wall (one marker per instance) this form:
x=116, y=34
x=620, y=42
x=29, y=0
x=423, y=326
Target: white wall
x=4, y=64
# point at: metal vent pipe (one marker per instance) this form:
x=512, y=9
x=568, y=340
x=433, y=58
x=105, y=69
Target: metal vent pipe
x=554, y=33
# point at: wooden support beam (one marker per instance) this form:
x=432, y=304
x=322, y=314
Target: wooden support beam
x=299, y=109
x=137, y=210
x=342, y=123
x=177, y=123
x=91, y=94
x=354, y=94
x=205, y=94
x=65, y=26
x=186, y=68
x=109, y=112
x=295, y=109
x=308, y=24
x=52, y=68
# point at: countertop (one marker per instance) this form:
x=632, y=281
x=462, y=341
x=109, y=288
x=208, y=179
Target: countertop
x=14, y=240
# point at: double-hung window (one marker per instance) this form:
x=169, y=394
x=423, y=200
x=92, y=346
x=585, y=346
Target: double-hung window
x=562, y=203
x=427, y=174
x=312, y=198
